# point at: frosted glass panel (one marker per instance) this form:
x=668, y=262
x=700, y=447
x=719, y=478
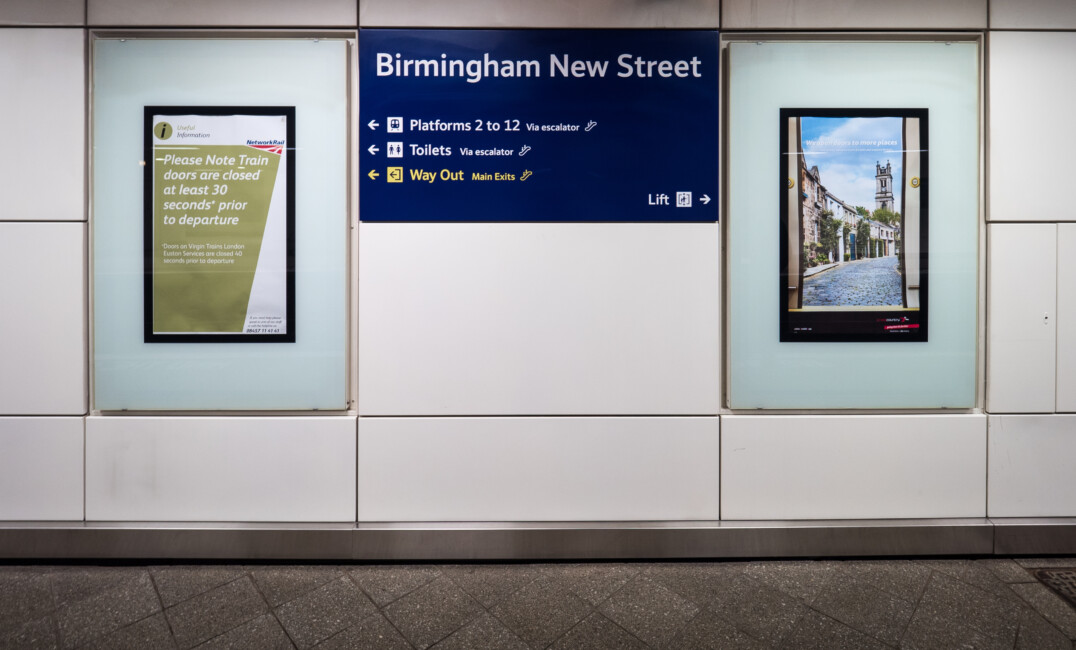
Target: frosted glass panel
x=766, y=77
x=309, y=75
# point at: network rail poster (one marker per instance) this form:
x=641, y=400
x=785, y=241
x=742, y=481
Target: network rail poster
x=538, y=126
x=219, y=224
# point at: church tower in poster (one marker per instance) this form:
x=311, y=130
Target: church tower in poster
x=883, y=187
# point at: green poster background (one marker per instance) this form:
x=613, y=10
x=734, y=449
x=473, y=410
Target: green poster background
x=207, y=235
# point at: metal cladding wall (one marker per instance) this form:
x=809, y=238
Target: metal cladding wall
x=540, y=389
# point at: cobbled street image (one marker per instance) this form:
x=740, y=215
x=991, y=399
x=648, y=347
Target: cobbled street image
x=865, y=282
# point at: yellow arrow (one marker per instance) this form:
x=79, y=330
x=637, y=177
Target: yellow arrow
x=373, y=174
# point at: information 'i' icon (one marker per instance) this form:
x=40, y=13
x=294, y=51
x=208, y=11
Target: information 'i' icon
x=162, y=130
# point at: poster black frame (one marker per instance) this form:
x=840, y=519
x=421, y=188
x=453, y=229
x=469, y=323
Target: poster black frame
x=148, y=221
x=851, y=325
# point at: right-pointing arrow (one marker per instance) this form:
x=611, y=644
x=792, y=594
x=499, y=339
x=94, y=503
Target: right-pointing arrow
x=705, y=199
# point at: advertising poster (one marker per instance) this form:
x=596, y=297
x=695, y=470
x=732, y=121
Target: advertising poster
x=219, y=224
x=538, y=125
x=853, y=225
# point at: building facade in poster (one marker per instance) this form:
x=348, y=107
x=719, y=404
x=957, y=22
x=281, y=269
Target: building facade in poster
x=219, y=224
x=853, y=224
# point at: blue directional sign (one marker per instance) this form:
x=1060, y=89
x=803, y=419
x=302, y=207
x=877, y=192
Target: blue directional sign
x=538, y=125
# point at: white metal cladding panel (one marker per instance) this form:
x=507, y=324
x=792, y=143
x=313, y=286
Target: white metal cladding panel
x=285, y=469
x=538, y=469
x=41, y=468
x=1066, y=317
x=693, y=14
x=842, y=14
x=238, y=13
x=853, y=467
x=1031, y=466
x=1032, y=86
x=36, y=12
x=42, y=169
x=1021, y=321
x=539, y=319
x=1032, y=14
x=42, y=318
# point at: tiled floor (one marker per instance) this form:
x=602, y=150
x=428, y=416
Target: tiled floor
x=988, y=603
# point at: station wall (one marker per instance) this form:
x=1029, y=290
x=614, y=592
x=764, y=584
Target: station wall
x=572, y=384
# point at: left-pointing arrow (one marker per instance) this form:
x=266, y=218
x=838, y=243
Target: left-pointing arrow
x=374, y=149
x=373, y=174
x=373, y=124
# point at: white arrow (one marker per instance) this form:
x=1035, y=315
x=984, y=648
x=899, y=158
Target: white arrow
x=373, y=149
x=705, y=199
x=373, y=124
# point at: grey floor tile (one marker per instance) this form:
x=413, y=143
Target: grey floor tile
x=152, y=632
x=178, y=583
x=815, y=631
x=596, y=632
x=803, y=579
x=262, y=633
x=432, y=612
x=10, y=574
x=318, y=615
x=1055, y=610
x=23, y=597
x=596, y=582
x=760, y=611
x=905, y=580
x=372, y=633
x=281, y=584
x=483, y=633
x=1036, y=633
x=215, y=612
x=699, y=582
x=985, y=579
x=384, y=584
x=126, y=602
x=954, y=568
x=650, y=611
x=948, y=599
x=1006, y=569
x=490, y=584
x=542, y=611
x=931, y=632
x=708, y=631
x=865, y=608
x=39, y=633
x=987, y=603
x=1046, y=562
x=72, y=584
